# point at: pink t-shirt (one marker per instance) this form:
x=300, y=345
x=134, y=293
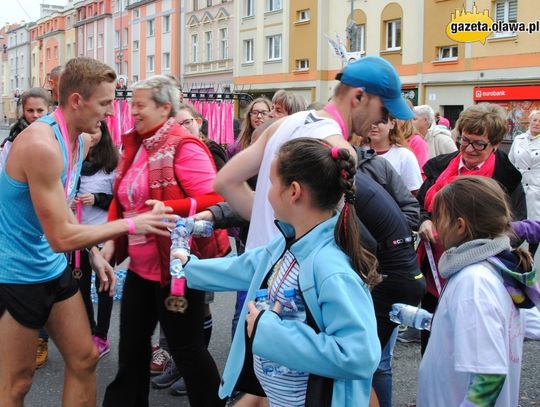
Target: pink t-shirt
x=195, y=173
x=420, y=149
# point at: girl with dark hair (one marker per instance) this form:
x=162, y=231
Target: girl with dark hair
x=93, y=199
x=33, y=103
x=477, y=322
x=329, y=355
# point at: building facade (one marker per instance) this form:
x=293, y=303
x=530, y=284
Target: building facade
x=154, y=38
x=208, y=54
x=18, y=54
x=94, y=26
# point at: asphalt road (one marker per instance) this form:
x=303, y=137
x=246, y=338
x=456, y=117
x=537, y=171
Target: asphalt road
x=47, y=387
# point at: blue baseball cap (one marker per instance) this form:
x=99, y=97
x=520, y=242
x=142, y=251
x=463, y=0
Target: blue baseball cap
x=378, y=77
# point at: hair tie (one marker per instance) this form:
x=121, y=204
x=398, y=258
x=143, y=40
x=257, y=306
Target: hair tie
x=334, y=152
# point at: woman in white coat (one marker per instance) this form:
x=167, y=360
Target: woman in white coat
x=525, y=155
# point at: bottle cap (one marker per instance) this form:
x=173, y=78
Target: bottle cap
x=261, y=293
x=289, y=292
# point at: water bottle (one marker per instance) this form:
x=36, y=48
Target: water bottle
x=409, y=315
x=291, y=308
x=261, y=299
x=203, y=228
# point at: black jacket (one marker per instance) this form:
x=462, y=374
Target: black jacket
x=505, y=173
x=381, y=171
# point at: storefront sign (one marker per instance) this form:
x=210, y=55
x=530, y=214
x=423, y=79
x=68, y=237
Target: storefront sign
x=506, y=93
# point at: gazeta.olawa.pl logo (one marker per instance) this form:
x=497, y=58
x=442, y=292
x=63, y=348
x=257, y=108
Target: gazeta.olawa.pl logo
x=472, y=26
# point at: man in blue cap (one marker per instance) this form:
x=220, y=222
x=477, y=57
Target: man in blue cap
x=368, y=91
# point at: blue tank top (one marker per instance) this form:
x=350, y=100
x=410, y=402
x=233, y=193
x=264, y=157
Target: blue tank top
x=25, y=254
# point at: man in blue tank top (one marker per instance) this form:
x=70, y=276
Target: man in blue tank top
x=36, y=227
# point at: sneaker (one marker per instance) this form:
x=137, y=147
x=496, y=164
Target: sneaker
x=42, y=352
x=103, y=346
x=168, y=377
x=160, y=357
x=178, y=388
x=409, y=335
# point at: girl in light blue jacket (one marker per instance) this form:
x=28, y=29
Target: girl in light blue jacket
x=319, y=347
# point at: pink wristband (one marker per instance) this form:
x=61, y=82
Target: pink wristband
x=131, y=226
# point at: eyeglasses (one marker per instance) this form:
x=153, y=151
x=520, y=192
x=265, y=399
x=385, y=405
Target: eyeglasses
x=187, y=122
x=256, y=113
x=476, y=145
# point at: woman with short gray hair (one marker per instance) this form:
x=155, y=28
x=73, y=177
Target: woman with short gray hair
x=161, y=161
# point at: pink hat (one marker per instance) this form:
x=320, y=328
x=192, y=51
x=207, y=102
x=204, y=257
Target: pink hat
x=443, y=121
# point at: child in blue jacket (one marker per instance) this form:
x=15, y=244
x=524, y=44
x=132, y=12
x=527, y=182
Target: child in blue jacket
x=329, y=356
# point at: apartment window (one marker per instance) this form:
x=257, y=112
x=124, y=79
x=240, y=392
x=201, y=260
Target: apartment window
x=136, y=15
x=150, y=28
x=273, y=46
x=505, y=11
x=358, y=38
x=302, y=64
x=250, y=8
x=68, y=22
x=194, y=48
x=117, y=39
x=393, y=35
x=55, y=54
x=273, y=5
x=68, y=50
x=208, y=45
x=248, y=51
x=195, y=5
x=100, y=41
x=90, y=42
x=125, y=37
x=166, y=24
x=448, y=53
x=150, y=63
x=135, y=78
x=302, y=15
x=47, y=54
x=223, y=44
x=135, y=45
x=117, y=67
x=166, y=62
x=33, y=59
x=208, y=3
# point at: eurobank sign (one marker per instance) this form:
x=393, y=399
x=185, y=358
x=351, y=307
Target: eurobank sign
x=506, y=93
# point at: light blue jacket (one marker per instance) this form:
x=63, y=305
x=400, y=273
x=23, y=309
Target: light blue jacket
x=347, y=349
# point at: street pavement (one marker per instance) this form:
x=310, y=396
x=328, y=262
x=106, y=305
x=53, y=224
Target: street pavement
x=47, y=387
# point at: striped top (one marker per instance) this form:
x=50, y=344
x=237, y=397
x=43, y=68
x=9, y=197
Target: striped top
x=283, y=386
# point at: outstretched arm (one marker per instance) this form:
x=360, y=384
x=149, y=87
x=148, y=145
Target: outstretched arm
x=231, y=180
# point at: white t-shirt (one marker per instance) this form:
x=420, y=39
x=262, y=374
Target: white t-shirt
x=405, y=163
x=476, y=330
x=302, y=124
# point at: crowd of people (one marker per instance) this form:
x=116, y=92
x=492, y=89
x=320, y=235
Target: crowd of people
x=335, y=213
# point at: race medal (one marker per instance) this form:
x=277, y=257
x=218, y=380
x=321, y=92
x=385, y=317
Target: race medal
x=77, y=273
x=176, y=304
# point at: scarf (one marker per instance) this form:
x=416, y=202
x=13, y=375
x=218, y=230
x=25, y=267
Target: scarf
x=451, y=172
x=521, y=285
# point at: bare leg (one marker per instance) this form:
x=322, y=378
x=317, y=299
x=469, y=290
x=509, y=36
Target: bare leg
x=69, y=329
x=18, y=348
x=250, y=400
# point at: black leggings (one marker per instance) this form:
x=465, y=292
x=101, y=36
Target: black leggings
x=396, y=287
x=142, y=306
x=105, y=301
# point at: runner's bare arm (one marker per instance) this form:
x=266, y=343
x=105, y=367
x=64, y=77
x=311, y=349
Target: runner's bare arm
x=231, y=180
x=42, y=167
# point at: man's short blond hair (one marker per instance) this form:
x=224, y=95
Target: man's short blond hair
x=82, y=75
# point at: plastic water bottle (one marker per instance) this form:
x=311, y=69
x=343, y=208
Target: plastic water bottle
x=261, y=299
x=203, y=228
x=292, y=309
x=409, y=315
